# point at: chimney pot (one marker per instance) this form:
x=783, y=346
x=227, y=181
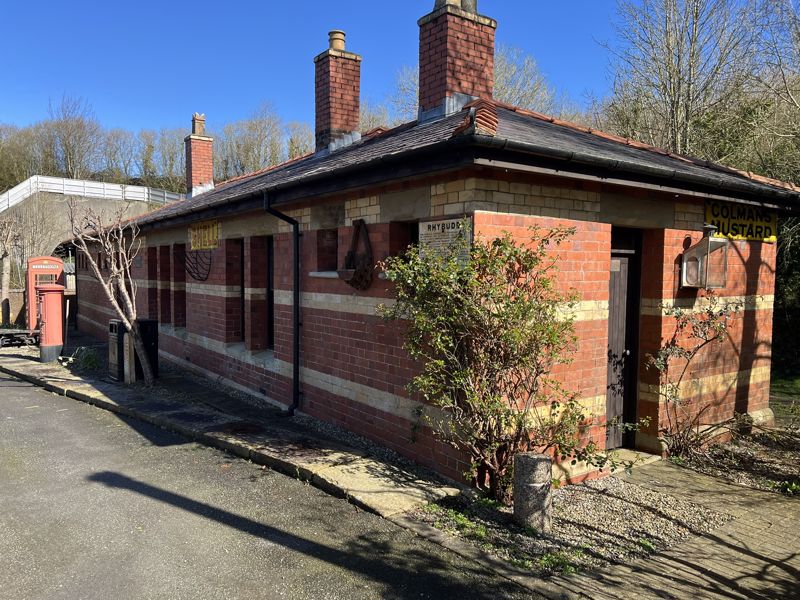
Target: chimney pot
x=198, y=124
x=337, y=38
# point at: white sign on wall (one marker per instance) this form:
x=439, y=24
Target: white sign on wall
x=438, y=236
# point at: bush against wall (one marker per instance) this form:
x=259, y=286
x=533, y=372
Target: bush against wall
x=488, y=324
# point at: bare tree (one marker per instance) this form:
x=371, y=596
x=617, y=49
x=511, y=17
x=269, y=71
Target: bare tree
x=299, y=139
x=779, y=50
x=678, y=60
x=41, y=223
x=115, y=243
x=405, y=99
x=77, y=137
x=119, y=155
x=146, y=156
x=249, y=145
x=373, y=115
x=171, y=160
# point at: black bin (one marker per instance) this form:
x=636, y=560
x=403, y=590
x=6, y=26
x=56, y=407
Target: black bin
x=148, y=328
x=116, y=350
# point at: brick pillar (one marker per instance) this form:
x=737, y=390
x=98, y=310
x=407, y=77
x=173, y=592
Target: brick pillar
x=165, y=285
x=656, y=288
x=179, y=285
x=199, y=158
x=152, y=283
x=338, y=93
x=234, y=284
x=456, y=57
x=256, y=269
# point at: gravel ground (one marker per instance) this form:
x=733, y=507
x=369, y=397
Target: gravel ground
x=597, y=523
x=761, y=461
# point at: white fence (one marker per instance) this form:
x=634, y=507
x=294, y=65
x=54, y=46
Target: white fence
x=86, y=189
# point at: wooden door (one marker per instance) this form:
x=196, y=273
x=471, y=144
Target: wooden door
x=622, y=336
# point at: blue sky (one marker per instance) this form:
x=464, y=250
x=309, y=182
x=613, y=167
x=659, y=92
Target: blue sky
x=151, y=64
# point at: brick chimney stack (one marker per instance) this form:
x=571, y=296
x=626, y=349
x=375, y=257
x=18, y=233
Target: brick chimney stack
x=456, y=57
x=199, y=158
x=338, y=95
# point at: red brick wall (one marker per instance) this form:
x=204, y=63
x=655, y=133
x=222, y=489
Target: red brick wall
x=751, y=273
x=338, y=96
x=583, y=262
x=456, y=55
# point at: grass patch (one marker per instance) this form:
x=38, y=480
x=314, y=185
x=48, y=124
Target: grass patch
x=647, y=545
x=561, y=561
x=786, y=385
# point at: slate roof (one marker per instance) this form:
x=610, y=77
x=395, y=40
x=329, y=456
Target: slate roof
x=493, y=125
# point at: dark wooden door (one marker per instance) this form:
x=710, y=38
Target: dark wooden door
x=617, y=349
x=622, y=336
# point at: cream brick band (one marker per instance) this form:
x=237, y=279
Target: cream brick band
x=386, y=402
x=220, y=291
x=255, y=294
x=590, y=310
x=657, y=307
x=351, y=304
x=713, y=385
x=587, y=310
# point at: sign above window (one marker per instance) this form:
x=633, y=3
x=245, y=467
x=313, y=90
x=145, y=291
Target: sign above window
x=742, y=222
x=204, y=236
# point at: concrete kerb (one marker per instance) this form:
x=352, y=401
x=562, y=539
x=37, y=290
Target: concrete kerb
x=313, y=476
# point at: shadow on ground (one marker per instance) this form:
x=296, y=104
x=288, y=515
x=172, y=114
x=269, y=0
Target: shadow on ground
x=412, y=574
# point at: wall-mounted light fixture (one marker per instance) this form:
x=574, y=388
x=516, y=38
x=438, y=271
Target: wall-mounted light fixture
x=705, y=265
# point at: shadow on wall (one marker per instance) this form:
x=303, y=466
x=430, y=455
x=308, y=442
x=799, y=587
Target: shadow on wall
x=12, y=311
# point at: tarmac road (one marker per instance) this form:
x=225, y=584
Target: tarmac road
x=96, y=506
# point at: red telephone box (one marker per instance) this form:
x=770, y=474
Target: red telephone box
x=51, y=321
x=42, y=270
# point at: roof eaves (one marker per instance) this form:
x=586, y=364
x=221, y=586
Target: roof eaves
x=623, y=166
x=654, y=149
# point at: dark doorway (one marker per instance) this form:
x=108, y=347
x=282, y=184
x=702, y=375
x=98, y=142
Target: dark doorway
x=623, y=334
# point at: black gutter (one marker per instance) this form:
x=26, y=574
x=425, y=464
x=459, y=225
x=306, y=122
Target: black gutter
x=296, y=324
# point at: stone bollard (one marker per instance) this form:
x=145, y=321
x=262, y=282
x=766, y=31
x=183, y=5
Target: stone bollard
x=533, y=501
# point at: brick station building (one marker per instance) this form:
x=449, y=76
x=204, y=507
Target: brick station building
x=251, y=282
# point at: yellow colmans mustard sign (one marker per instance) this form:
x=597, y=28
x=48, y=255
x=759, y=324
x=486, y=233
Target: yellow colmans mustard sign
x=742, y=222
x=204, y=236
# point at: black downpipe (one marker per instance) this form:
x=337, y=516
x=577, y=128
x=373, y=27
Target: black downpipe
x=295, y=303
